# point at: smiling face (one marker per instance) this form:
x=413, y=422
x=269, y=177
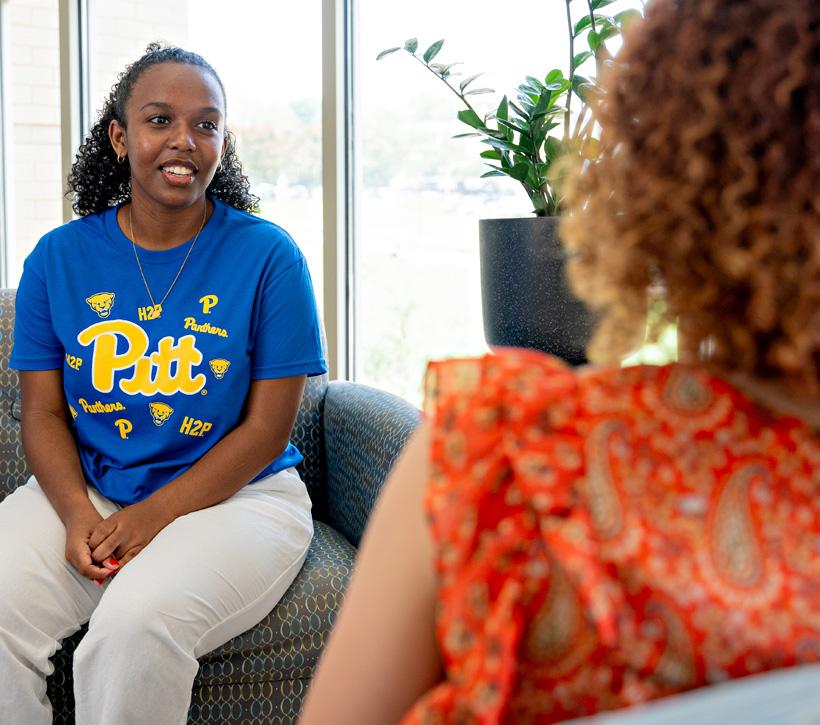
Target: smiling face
x=174, y=135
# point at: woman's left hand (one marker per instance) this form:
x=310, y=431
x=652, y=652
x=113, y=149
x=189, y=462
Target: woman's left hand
x=125, y=533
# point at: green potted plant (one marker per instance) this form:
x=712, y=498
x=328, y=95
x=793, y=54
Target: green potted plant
x=525, y=298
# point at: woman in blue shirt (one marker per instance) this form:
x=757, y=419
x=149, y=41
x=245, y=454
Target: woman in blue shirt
x=163, y=340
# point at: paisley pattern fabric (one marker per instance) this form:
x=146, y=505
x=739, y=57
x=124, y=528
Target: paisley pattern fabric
x=606, y=537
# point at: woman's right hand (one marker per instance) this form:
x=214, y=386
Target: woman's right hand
x=77, y=551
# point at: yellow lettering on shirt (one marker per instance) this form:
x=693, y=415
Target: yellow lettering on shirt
x=194, y=427
x=124, y=426
x=207, y=302
x=73, y=362
x=100, y=407
x=167, y=371
x=191, y=324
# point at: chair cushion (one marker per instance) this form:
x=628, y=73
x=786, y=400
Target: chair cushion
x=281, y=651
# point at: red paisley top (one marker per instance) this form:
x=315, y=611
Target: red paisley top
x=611, y=536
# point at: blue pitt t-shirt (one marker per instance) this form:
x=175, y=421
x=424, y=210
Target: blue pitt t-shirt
x=151, y=394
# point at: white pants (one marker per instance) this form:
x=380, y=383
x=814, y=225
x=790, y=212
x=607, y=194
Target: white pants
x=204, y=579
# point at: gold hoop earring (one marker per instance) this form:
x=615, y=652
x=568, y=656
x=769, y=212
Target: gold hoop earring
x=120, y=159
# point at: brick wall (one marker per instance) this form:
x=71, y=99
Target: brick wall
x=32, y=98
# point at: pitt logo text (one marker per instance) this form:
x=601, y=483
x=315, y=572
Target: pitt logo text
x=73, y=362
x=167, y=371
x=207, y=302
x=124, y=426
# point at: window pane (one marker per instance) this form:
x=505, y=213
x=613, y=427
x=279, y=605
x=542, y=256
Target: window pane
x=34, y=185
x=421, y=196
x=274, y=112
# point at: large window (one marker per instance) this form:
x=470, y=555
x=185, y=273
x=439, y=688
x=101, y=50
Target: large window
x=421, y=195
x=421, y=191
x=31, y=127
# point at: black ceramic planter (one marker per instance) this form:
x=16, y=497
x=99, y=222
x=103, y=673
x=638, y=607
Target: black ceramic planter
x=525, y=296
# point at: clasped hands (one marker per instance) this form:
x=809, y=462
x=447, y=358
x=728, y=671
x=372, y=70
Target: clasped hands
x=99, y=547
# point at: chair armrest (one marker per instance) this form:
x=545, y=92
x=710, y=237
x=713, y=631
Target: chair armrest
x=365, y=430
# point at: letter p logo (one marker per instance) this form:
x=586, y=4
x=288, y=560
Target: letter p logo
x=208, y=301
x=124, y=426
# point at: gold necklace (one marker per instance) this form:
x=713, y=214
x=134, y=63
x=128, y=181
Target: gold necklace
x=157, y=307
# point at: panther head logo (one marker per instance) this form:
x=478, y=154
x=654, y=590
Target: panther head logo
x=160, y=412
x=219, y=367
x=101, y=303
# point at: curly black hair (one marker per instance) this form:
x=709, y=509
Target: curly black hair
x=97, y=181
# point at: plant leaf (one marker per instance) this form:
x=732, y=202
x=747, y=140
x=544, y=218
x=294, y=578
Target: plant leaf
x=442, y=69
x=580, y=58
x=512, y=126
x=471, y=118
x=478, y=91
x=554, y=76
x=552, y=149
x=493, y=154
x=598, y=4
x=535, y=84
x=581, y=25
x=500, y=145
x=579, y=87
x=627, y=16
x=465, y=135
x=503, y=111
x=433, y=50
x=494, y=172
x=519, y=111
x=519, y=171
x=594, y=40
x=386, y=52
x=466, y=82
x=608, y=30
x=411, y=45
x=586, y=22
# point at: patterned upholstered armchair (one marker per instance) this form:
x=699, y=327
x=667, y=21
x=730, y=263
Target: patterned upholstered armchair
x=350, y=436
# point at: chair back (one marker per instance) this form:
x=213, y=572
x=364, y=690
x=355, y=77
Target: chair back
x=13, y=469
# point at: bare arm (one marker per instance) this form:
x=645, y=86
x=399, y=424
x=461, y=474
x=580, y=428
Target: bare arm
x=50, y=449
x=52, y=456
x=261, y=436
x=382, y=655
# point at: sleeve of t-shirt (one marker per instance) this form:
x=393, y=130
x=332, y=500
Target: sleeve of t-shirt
x=36, y=346
x=287, y=337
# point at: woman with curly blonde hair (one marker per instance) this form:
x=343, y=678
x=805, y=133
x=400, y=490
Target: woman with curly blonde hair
x=555, y=543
